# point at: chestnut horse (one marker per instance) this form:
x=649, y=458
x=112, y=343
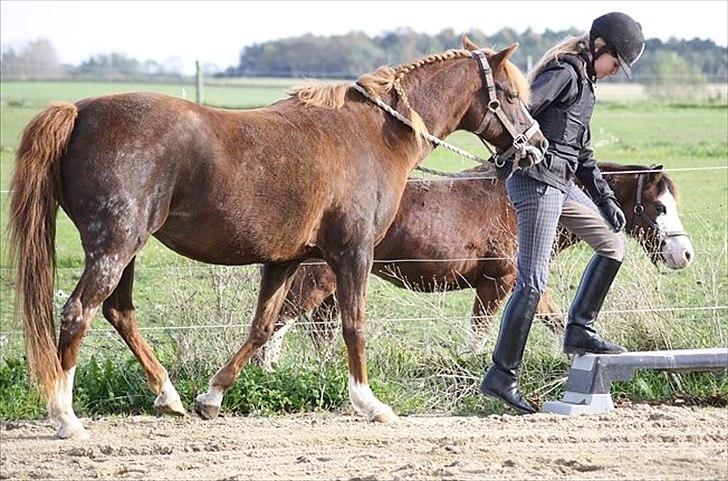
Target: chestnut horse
x=318, y=174
x=461, y=234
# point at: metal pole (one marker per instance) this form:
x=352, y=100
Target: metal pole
x=200, y=95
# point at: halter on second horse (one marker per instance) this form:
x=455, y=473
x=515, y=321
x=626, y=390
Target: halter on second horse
x=639, y=211
x=519, y=148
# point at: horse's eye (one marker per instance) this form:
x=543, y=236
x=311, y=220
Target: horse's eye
x=512, y=97
x=660, y=208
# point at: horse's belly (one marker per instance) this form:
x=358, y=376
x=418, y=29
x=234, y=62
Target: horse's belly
x=211, y=238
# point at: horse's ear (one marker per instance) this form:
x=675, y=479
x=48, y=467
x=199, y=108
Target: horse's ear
x=468, y=44
x=501, y=57
x=657, y=174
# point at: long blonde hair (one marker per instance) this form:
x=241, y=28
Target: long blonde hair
x=573, y=45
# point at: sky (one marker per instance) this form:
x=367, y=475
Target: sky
x=216, y=31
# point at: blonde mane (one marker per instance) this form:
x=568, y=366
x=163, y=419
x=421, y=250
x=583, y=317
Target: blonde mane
x=386, y=79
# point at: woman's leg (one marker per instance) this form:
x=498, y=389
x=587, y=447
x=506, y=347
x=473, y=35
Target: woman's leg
x=538, y=207
x=583, y=218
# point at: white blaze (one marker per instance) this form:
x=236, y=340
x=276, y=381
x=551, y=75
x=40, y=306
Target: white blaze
x=677, y=251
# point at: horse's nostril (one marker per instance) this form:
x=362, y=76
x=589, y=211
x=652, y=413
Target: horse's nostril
x=688, y=256
x=544, y=144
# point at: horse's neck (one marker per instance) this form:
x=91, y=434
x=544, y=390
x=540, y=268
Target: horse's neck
x=440, y=93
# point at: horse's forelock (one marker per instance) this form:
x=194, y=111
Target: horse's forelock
x=518, y=81
x=664, y=182
x=515, y=77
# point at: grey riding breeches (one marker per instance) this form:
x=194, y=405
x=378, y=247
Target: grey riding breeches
x=540, y=208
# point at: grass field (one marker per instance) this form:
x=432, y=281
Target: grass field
x=416, y=365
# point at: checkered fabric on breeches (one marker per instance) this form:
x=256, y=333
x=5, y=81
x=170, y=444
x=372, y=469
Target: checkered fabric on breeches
x=540, y=208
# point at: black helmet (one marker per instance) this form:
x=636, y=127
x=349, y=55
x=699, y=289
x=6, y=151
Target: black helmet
x=622, y=34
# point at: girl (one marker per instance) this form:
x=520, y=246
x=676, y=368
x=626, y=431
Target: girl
x=544, y=196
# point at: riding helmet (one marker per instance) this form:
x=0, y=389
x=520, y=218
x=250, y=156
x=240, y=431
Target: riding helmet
x=622, y=34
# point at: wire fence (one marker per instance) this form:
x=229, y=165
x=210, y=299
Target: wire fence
x=491, y=177
x=717, y=309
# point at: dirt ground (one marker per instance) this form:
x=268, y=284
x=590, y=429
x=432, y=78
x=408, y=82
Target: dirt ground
x=638, y=442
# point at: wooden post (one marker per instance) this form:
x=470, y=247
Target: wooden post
x=200, y=95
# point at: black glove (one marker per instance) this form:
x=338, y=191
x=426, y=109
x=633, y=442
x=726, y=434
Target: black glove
x=613, y=213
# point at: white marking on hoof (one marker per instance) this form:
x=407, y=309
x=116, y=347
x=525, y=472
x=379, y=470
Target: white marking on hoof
x=60, y=409
x=168, y=400
x=213, y=397
x=72, y=429
x=366, y=403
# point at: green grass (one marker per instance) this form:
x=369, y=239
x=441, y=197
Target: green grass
x=417, y=366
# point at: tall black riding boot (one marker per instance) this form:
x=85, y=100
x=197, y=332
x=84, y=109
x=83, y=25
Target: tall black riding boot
x=501, y=380
x=580, y=336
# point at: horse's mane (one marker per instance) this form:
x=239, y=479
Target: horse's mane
x=385, y=79
x=664, y=182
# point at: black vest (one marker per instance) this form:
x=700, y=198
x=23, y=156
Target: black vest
x=565, y=123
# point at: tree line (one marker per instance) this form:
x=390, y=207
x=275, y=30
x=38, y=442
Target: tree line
x=350, y=55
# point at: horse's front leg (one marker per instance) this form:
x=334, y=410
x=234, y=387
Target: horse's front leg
x=352, y=273
x=274, y=285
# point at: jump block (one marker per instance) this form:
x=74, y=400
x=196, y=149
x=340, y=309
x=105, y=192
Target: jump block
x=591, y=375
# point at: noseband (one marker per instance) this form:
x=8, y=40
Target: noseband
x=639, y=211
x=520, y=143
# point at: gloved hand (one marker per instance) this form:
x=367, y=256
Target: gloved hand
x=613, y=213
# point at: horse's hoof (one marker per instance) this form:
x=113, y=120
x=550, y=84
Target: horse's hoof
x=206, y=411
x=72, y=431
x=385, y=416
x=175, y=408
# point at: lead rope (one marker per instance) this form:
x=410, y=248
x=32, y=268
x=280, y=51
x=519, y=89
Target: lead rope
x=431, y=138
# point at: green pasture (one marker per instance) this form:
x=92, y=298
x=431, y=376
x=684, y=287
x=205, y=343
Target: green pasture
x=196, y=315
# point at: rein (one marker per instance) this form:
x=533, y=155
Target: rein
x=639, y=211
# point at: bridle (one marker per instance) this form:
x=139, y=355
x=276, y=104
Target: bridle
x=520, y=144
x=519, y=149
x=639, y=211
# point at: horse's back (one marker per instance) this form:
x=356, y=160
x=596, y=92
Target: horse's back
x=257, y=183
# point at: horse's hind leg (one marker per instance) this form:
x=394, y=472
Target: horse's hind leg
x=274, y=285
x=550, y=313
x=489, y=293
x=118, y=309
x=100, y=276
x=310, y=287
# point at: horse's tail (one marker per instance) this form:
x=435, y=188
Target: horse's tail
x=33, y=206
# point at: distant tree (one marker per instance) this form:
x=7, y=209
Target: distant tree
x=110, y=66
x=672, y=77
x=37, y=60
x=173, y=66
x=151, y=68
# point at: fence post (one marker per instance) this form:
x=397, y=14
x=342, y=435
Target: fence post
x=200, y=95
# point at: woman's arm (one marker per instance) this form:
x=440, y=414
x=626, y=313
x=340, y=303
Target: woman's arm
x=589, y=174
